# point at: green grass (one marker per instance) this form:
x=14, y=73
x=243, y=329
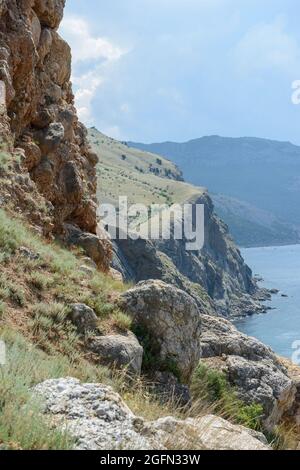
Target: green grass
x=143, y=171
x=122, y=321
x=2, y=308
x=4, y=160
x=11, y=290
x=212, y=386
x=21, y=424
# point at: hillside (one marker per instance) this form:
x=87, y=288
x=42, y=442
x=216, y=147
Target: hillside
x=145, y=178
x=259, y=172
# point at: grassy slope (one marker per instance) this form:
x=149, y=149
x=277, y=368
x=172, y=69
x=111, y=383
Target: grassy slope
x=132, y=176
x=42, y=343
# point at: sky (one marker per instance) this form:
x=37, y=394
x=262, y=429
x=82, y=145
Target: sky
x=174, y=70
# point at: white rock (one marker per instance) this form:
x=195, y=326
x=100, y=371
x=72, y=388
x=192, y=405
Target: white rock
x=98, y=419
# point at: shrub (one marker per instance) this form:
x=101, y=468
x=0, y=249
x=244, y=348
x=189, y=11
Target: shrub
x=212, y=386
x=40, y=280
x=122, y=321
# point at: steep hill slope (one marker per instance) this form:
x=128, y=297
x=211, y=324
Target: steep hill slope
x=260, y=172
x=145, y=178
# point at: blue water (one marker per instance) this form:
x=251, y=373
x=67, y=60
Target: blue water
x=280, y=269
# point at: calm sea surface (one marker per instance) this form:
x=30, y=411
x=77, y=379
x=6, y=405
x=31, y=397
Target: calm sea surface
x=280, y=269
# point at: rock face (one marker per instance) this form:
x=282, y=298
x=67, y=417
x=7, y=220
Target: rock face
x=171, y=320
x=96, y=248
x=122, y=351
x=251, y=367
x=40, y=117
x=98, y=419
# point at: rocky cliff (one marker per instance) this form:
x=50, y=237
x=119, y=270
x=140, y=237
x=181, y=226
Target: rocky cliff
x=40, y=119
x=216, y=276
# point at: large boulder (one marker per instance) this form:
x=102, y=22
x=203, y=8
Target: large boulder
x=207, y=433
x=220, y=336
x=98, y=419
x=122, y=351
x=94, y=414
x=83, y=317
x=170, y=319
x=262, y=382
x=251, y=368
x=98, y=249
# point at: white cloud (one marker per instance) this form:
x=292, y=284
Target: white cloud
x=84, y=45
x=86, y=85
x=91, y=57
x=267, y=46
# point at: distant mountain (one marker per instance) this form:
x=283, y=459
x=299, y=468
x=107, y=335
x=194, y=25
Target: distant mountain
x=251, y=226
x=257, y=182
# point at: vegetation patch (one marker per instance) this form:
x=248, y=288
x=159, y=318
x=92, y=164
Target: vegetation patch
x=211, y=386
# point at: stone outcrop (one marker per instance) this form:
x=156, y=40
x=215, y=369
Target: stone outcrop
x=251, y=368
x=121, y=351
x=264, y=383
x=40, y=117
x=97, y=248
x=83, y=317
x=170, y=319
x=220, y=337
x=208, y=433
x=98, y=419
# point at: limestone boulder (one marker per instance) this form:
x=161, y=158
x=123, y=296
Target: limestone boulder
x=207, y=433
x=83, y=317
x=172, y=321
x=252, y=368
x=121, y=351
x=262, y=382
x=98, y=419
